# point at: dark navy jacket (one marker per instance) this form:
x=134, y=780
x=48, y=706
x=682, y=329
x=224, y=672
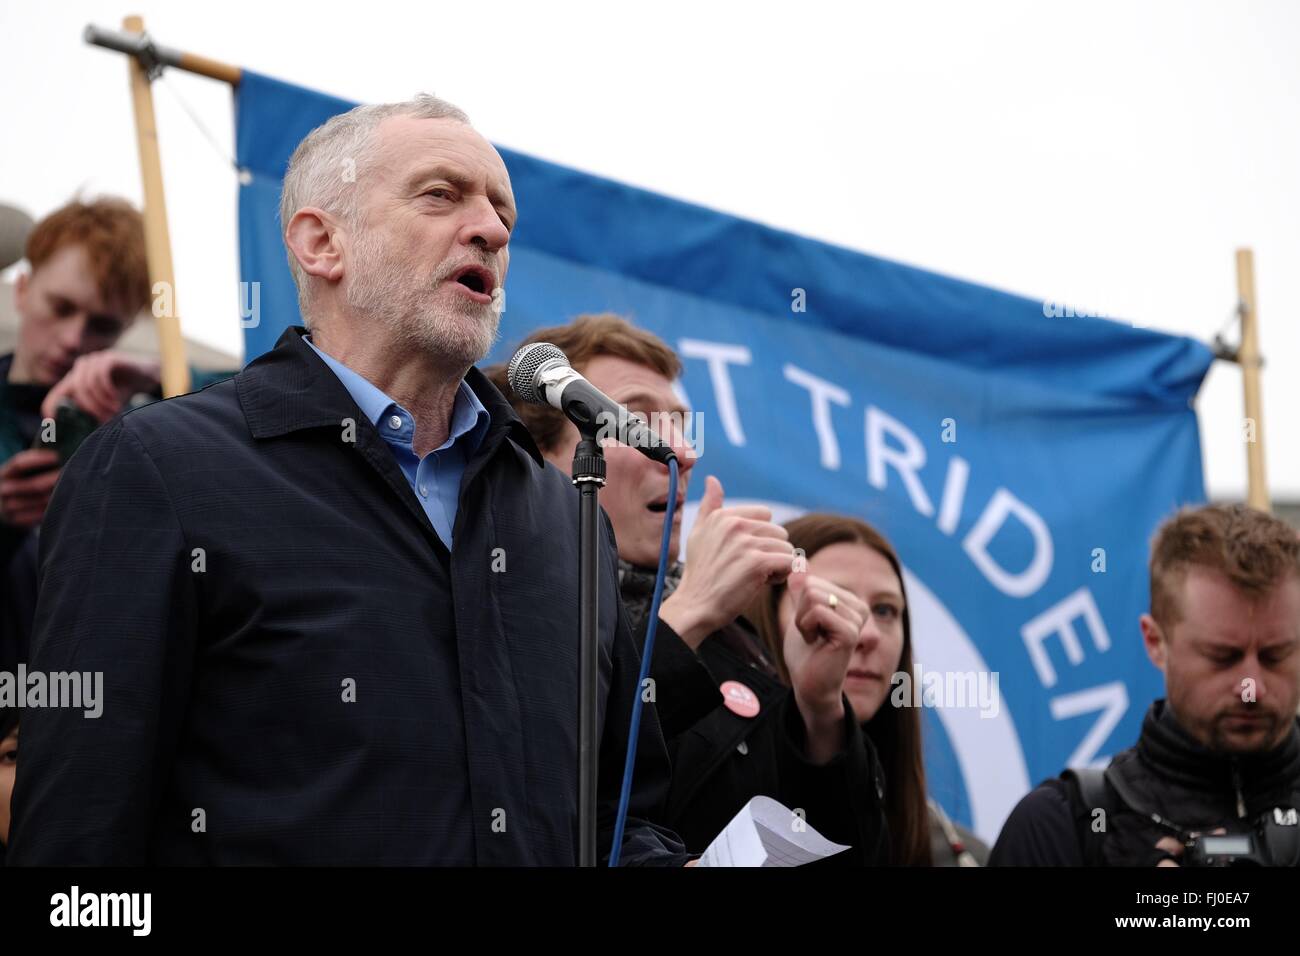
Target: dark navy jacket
x=296, y=671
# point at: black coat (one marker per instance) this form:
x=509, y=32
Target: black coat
x=722, y=759
x=231, y=562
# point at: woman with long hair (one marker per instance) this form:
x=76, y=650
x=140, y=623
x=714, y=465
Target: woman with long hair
x=854, y=555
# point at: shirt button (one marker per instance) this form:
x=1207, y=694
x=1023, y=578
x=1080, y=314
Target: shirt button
x=424, y=491
x=395, y=423
x=742, y=748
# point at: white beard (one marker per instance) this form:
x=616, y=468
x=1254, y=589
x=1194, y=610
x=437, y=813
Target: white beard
x=417, y=311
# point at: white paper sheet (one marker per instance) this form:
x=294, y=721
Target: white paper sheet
x=765, y=833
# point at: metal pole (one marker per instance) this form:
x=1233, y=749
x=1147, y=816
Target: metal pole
x=588, y=476
x=141, y=47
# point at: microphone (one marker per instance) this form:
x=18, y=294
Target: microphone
x=541, y=375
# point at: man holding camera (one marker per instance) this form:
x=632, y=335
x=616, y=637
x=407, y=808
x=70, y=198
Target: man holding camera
x=1215, y=775
x=86, y=283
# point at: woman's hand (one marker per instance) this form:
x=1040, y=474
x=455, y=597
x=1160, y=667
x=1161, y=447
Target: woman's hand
x=818, y=645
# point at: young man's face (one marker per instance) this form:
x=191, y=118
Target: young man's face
x=1231, y=662
x=62, y=315
x=636, y=488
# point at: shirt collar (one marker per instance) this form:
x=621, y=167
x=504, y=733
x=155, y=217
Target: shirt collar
x=468, y=415
x=286, y=390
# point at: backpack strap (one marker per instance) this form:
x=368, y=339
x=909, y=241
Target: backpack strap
x=1091, y=784
x=1088, y=790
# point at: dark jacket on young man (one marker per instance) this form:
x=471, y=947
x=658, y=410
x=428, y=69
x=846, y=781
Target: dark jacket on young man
x=20, y=422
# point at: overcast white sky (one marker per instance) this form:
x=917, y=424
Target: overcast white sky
x=1107, y=154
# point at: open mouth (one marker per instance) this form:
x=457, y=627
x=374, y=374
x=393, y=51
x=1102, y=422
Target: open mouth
x=659, y=507
x=477, y=279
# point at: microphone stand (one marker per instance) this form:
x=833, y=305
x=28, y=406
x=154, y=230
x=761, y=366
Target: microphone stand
x=589, y=477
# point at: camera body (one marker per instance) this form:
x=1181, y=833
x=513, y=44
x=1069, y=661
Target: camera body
x=1272, y=840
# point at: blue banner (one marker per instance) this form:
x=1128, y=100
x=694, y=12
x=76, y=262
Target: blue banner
x=1019, y=456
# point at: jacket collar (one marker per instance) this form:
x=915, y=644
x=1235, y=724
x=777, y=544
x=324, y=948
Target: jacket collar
x=1175, y=754
x=289, y=389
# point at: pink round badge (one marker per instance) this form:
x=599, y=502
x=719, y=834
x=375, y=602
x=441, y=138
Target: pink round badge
x=740, y=700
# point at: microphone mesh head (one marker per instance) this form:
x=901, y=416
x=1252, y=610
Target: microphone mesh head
x=528, y=363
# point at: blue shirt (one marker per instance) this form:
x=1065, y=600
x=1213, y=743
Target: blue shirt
x=435, y=478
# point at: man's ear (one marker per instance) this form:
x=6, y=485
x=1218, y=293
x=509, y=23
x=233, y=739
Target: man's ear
x=1153, y=638
x=313, y=237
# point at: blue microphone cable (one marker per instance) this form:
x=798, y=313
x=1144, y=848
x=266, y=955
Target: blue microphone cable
x=646, y=654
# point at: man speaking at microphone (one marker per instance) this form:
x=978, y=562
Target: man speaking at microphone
x=335, y=598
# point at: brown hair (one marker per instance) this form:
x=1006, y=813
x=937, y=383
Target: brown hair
x=582, y=340
x=895, y=731
x=112, y=233
x=1253, y=550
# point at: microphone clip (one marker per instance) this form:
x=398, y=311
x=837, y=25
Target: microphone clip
x=589, y=462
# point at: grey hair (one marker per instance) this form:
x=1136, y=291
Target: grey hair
x=326, y=165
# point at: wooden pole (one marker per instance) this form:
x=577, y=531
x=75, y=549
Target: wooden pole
x=1248, y=356
x=214, y=69
x=157, y=237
